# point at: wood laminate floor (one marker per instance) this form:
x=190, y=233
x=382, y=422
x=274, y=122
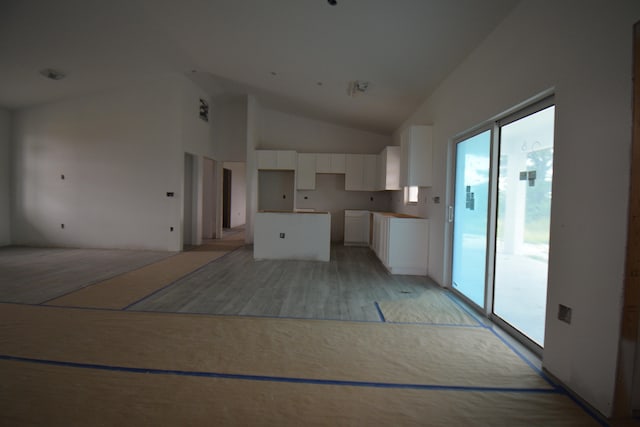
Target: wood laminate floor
x=346, y=288
x=35, y=275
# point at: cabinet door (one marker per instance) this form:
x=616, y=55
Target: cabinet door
x=390, y=173
x=416, y=156
x=353, y=229
x=267, y=159
x=306, y=172
x=323, y=163
x=370, y=175
x=338, y=163
x=286, y=159
x=354, y=172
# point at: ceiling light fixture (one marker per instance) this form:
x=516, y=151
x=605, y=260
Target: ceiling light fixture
x=53, y=74
x=357, y=86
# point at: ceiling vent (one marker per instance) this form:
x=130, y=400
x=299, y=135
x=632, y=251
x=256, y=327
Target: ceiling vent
x=356, y=87
x=52, y=74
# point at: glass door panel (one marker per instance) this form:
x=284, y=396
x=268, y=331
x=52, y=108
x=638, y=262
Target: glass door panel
x=473, y=161
x=522, y=234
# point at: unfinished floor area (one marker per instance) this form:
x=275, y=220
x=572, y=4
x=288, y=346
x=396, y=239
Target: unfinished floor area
x=211, y=336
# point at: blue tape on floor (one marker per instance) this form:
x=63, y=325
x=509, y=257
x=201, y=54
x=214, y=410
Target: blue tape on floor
x=524, y=359
x=465, y=309
x=276, y=379
x=380, y=312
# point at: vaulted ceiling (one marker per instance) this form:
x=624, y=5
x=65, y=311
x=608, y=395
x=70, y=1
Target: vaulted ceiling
x=294, y=55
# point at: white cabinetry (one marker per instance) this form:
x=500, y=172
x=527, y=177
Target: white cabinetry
x=306, y=172
x=361, y=172
x=416, y=156
x=389, y=169
x=356, y=228
x=401, y=243
x=276, y=159
x=330, y=163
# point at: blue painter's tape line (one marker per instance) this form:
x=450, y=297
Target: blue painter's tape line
x=524, y=359
x=277, y=379
x=465, y=309
x=382, y=319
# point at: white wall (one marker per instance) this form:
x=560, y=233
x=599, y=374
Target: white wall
x=230, y=129
x=583, y=50
x=5, y=185
x=288, y=132
x=238, y=192
x=120, y=151
x=209, y=191
x=253, y=117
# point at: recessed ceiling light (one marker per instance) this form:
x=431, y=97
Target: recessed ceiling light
x=53, y=74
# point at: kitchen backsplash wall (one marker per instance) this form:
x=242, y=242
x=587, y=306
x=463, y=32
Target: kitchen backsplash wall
x=331, y=196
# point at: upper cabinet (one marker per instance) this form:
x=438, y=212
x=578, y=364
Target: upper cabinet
x=361, y=172
x=306, y=172
x=276, y=159
x=389, y=169
x=416, y=156
x=330, y=163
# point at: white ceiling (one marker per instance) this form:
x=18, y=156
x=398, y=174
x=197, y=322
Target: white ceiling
x=404, y=48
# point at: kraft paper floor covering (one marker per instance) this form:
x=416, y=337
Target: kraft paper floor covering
x=331, y=350
x=137, y=368
x=36, y=394
x=433, y=306
x=125, y=289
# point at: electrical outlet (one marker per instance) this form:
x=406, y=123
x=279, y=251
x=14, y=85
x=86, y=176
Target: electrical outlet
x=564, y=313
x=282, y=235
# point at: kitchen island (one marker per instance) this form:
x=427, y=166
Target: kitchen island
x=292, y=235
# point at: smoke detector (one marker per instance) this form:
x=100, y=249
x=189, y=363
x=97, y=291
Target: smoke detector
x=357, y=86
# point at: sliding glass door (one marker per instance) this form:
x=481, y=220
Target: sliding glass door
x=524, y=208
x=501, y=219
x=473, y=157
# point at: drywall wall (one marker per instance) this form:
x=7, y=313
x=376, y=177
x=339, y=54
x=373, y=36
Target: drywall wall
x=582, y=51
x=330, y=196
x=253, y=117
x=276, y=190
x=120, y=152
x=282, y=131
x=230, y=129
x=209, y=194
x=238, y=192
x=5, y=184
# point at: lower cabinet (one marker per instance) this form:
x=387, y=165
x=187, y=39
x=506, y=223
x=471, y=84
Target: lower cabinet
x=401, y=243
x=356, y=228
